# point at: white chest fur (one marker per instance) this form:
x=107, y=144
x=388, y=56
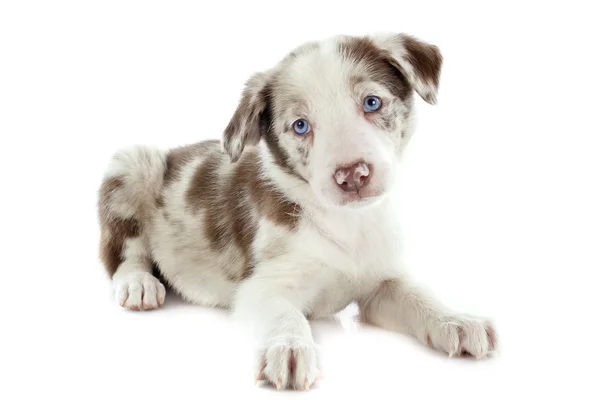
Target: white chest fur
x=336, y=256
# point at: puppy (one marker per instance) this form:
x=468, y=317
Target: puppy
x=292, y=215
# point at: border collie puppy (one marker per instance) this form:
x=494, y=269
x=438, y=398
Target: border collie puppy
x=293, y=214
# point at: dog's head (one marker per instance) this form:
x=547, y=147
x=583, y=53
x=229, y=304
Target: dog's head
x=336, y=114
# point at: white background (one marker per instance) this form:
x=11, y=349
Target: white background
x=501, y=193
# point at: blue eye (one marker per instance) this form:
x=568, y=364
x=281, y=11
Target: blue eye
x=371, y=104
x=301, y=127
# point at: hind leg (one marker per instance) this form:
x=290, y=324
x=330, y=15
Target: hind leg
x=134, y=285
x=126, y=197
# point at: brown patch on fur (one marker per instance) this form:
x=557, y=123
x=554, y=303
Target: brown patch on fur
x=244, y=126
x=241, y=223
x=279, y=154
x=364, y=50
x=178, y=158
x=203, y=190
x=235, y=202
x=271, y=137
x=426, y=59
x=114, y=230
x=269, y=202
x=253, y=120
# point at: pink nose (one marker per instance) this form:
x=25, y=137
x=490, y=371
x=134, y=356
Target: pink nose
x=353, y=178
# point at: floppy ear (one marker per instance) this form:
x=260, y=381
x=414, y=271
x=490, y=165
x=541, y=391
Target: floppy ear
x=420, y=62
x=245, y=125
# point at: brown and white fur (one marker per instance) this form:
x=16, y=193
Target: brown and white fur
x=259, y=222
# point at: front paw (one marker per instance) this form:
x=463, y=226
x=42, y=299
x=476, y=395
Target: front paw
x=288, y=363
x=462, y=335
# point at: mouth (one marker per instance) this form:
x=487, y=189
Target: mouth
x=358, y=199
x=339, y=198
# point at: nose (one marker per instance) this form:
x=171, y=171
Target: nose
x=353, y=178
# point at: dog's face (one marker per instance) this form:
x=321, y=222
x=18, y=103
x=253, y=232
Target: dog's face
x=336, y=114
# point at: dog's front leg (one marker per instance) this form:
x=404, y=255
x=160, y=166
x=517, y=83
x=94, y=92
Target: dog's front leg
x=401, y=305
x=272, y=307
